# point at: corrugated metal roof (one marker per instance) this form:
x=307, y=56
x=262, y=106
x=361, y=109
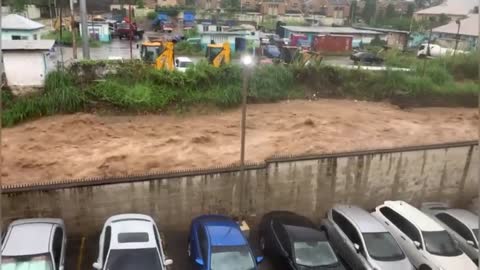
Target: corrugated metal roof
x=338, y=2
x=451, y=7
x=383, y=30
x=329, y=29
x=17, y=22
x=27, y=45
x=468, y=27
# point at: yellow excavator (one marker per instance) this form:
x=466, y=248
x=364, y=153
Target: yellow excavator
x=218, y=54
x=160, y=54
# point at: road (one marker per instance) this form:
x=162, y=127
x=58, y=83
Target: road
x=81, y=257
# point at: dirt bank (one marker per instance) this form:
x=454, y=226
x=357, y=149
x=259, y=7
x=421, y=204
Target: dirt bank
x=86, y=145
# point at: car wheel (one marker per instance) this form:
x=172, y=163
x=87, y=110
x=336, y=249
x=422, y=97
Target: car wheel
x=424, y=267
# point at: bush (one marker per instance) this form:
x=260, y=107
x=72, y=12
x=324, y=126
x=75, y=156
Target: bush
x=60, y=96
x=152, y=15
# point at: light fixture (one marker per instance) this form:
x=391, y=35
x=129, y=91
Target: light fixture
x=247, y=60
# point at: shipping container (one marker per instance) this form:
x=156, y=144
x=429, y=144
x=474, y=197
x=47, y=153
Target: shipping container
x=294, y=38
x=333, y=43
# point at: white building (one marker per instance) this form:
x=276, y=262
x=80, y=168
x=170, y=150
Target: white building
x=27, y=61
x=16, y=27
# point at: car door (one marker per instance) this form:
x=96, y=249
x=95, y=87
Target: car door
x=346, y=237
x=405, y=233
x=283, y=248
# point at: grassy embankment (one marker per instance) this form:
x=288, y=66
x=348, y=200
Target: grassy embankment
x=137, y=88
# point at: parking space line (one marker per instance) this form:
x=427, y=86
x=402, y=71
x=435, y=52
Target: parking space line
x=80, y=254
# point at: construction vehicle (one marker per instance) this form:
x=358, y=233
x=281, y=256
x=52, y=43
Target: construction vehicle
x=218, y=54
x=159, y=54
x=296, y=55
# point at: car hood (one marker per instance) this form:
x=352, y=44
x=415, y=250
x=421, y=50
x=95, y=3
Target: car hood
x=336, y=267
x=454, y=263
x=393, y=265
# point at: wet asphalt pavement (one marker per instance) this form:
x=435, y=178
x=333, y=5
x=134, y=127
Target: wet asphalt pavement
x=81, y=257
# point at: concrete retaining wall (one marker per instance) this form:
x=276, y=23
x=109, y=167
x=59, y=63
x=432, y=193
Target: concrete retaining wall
x=307, y=185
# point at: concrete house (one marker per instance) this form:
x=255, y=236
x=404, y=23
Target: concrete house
x=446, y=35
x=27, y=62
x=454, y=9
x=16, y=27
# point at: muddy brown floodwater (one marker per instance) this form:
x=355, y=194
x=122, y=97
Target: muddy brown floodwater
x=88, y=145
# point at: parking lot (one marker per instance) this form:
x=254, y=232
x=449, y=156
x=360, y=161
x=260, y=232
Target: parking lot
x=81, y=256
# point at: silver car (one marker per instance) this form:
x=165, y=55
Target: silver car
x=362, y=240
x=461, y=224
x=34, y=244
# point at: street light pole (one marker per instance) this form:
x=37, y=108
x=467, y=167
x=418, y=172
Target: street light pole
x=83, y=21
x=457, y=37
x=74, y=34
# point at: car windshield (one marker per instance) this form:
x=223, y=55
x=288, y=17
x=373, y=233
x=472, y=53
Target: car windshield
x=231, y=258
x=36, y=262
x=382, y=247
x=185, y=64
x=440, y=243
x=133, y=259
x=314, y=253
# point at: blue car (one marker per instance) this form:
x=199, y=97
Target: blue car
x=216, y=242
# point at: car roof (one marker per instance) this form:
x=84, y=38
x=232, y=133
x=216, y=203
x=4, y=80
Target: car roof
x=223, y=231
x=184, y=59
x=290, y=218
x=29, y=237
x=132, y=223
x=464, y=216
x=365, y=222
x=421, y=220
x=299, y=233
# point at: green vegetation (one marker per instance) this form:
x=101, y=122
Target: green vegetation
x=67, y=38
x=151, y=15
x=185, y=48
x=135, y=87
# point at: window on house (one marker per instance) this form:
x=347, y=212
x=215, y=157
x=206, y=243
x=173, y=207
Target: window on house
x=219, y=28
x=35, y=37
x=205, y=28
x=16, y=37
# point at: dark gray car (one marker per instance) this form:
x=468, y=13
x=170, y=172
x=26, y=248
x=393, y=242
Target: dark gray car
x=362, y=240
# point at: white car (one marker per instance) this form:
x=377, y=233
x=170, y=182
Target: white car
x=129, y=242
x=426, y=243
x=38, y=243
x=182, y=63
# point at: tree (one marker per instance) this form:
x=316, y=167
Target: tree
x=17, y=5
x=369, y=10
x=231, y=4
x=353, y=11
x=443, y=19
x=410, y=9
x=140, y=3
x=423, y=3
x=390, y=12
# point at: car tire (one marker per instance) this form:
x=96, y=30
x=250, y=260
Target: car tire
x=424, y=267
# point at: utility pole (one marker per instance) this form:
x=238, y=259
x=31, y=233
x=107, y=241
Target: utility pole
x=74, y=32
x=130, y=22
x=83, y=21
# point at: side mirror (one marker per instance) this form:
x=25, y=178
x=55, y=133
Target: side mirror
x=417, y=244
x=97, y=265
x=470, y=242
x=357, y=247
x=199, y=261
x=168, y=262
x=259, y=259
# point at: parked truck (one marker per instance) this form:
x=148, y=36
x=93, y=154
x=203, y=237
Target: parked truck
x=434, y=50
x=163, y=23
